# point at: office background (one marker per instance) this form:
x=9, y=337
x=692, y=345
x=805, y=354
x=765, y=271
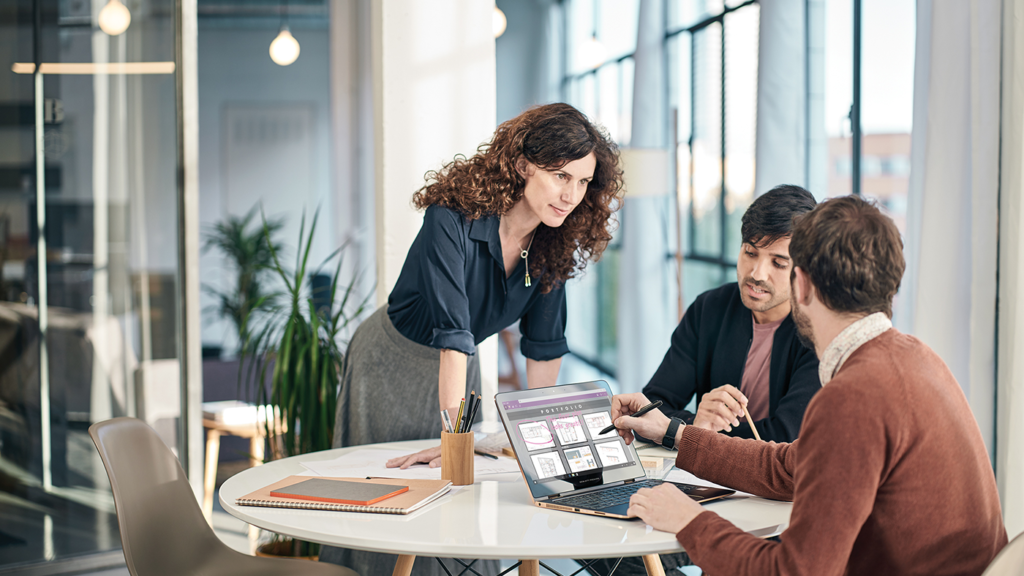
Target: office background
x=128, y=169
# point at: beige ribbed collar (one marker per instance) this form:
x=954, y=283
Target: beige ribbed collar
x=848, y=341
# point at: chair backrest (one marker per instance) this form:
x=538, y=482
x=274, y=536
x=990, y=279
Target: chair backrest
x=162, y=527
x=1009, y=561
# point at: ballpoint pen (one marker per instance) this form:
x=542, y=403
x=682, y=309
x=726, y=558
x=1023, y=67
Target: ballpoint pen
x=636, y=414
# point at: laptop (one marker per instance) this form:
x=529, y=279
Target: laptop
x=566, y=463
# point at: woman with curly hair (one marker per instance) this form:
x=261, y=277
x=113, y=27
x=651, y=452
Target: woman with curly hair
x=503, y=231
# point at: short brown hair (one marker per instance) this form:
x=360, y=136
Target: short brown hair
x=852, y=253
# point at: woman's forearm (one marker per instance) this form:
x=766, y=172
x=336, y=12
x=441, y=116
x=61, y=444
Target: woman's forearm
x=542, y=374
x=451, y=380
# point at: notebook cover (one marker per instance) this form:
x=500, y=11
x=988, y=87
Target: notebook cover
x=421, y=493
x=339, y=491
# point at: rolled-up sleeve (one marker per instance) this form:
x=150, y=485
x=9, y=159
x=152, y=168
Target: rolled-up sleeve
x=443, y=280
x=543, y=327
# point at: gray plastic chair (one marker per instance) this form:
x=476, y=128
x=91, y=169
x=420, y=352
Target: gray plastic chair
x=1009, y=561
x=163, y=531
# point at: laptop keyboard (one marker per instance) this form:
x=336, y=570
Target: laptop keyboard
x=601, y=499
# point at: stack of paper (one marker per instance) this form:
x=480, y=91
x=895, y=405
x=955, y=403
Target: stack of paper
x=234, y=412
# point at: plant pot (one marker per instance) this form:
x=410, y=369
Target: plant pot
x=283, y=548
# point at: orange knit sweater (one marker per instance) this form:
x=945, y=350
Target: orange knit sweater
x=889, y=476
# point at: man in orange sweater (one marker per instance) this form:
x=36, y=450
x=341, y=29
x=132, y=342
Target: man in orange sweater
x=889, y=475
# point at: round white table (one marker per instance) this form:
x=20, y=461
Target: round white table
x=493, y=518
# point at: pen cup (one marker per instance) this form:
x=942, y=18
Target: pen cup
x=457, y=458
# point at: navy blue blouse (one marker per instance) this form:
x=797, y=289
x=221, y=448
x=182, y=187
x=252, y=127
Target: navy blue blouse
x=453, y=293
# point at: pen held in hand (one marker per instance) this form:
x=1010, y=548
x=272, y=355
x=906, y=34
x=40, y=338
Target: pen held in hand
x=637, y=414
x=486, y=454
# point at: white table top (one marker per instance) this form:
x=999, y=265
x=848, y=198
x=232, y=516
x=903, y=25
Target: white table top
x=493, y=518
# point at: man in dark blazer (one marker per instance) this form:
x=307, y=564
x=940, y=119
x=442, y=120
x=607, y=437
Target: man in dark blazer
x=737, y=347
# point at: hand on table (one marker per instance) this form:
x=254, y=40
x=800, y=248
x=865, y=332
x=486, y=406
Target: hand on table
x=720, y=409
x=431, y=456
x=664, y=507
x=652, y=425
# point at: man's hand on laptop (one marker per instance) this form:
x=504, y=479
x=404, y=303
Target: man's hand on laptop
x=720, y=409
x=664, y=507
x=654, y=424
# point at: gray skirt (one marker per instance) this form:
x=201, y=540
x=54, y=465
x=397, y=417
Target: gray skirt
x=389, y=393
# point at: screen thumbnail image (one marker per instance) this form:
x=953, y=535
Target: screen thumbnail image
x=597, y=421
x=548, y=465
x=580, y=459
x=611, y=454
x=569, y=430
x=536, y=435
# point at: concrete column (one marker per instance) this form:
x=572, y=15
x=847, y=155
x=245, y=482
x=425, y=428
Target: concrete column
x=433, y=97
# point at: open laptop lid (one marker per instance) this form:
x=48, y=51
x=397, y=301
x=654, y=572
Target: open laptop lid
x=554, y=432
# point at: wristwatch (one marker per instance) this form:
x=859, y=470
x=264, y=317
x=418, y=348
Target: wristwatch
x=669, y=441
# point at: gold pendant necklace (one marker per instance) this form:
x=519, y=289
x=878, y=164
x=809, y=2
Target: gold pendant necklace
x=524, y=254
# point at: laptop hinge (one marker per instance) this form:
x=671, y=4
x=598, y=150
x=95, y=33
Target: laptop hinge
x=583, y=490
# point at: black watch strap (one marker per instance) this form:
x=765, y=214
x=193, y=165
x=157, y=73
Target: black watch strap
x=669, y=441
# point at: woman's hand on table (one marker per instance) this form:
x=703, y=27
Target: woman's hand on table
x=431, y=456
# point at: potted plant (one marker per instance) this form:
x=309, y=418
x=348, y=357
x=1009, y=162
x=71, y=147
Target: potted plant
x=297, y=344
x=249, y=251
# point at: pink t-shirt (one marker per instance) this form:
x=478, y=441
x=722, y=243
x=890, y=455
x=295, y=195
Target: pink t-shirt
x=755, y=373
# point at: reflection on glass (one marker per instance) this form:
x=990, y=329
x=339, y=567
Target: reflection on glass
x=107, y=272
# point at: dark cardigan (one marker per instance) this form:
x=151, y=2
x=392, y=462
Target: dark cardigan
x=709, y=349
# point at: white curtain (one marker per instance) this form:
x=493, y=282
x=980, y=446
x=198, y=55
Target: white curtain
x=954, y=190
x=1010, y=393
x=964, y=231
x=646, y=313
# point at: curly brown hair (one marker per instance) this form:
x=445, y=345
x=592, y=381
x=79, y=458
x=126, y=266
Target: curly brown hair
x=488, y=184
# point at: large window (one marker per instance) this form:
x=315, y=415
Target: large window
x=856, y=129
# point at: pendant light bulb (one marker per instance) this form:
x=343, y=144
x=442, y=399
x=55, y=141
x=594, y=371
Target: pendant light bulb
x=114, y=18
x=498, y=22
x=285, y=48
x=593, y=53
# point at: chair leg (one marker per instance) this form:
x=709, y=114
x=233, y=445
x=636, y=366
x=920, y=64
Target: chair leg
x=652, y=562
x=210, y=474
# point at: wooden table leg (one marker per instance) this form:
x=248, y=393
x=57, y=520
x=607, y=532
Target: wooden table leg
x=210, y=474
x=403, y=567
x=529, y=568
x=652, y=562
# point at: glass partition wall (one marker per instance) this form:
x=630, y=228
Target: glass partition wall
x=89, y=232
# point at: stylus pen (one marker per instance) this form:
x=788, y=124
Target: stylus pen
x=637, y=414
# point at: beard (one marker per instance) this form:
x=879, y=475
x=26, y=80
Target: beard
x=804, y=331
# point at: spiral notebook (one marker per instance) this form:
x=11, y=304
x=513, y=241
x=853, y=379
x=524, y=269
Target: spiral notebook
x=420, y=493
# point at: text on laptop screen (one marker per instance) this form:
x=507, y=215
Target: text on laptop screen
x=557, y=436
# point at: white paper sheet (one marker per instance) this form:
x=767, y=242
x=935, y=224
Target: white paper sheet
x=371, y=463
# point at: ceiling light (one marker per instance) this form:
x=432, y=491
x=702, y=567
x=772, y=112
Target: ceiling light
x=114, y=18
x=592, y=53
x=285, y=48
x=498, y=22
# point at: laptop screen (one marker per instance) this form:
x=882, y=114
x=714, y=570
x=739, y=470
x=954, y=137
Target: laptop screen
x=555, y=433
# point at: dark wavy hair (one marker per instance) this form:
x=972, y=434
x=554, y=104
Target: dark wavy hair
x=488, y=184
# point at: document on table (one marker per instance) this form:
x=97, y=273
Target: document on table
x=370, y=463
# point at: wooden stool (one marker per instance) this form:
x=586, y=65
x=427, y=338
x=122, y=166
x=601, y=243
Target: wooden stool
x=214, y=430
